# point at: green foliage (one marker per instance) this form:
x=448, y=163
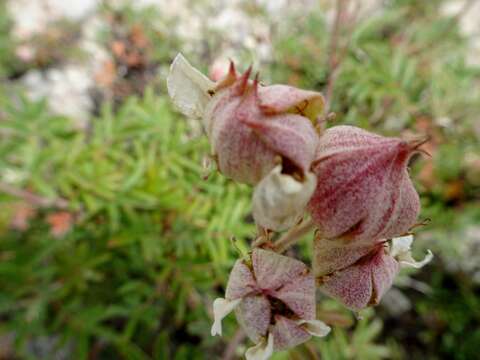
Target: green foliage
x=454, y=306
x=391, y=73
x=358, y=345
x=150, y=247
x=145, y=255
x=405, y=71
x=7, y=57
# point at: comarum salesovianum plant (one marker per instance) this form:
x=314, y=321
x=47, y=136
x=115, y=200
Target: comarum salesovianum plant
x=354, y=185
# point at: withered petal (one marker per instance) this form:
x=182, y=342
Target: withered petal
x=279, y=200
x=188, y=88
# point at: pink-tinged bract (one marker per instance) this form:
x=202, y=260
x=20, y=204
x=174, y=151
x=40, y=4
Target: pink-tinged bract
x=254, y=314
x=277, y=292
x=252, y=128
x=363, y=283
x=287, y=333
x=330, y=255
x=363, y=187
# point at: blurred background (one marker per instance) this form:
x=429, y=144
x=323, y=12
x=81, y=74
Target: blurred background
x=113, y=241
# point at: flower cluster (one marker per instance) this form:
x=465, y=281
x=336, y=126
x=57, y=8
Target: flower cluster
x=354, y=185
x=274, y=300
x=260, y=135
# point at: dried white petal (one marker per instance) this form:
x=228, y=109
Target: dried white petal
x=408, y=260
x=401, y=251
x=315, y=327
x=221, y=308
x=188, y=88
x=279, y=200
x=262, y=351
x=401, y=245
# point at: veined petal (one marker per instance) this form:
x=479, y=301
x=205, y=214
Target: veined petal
x=287, y=333
x=364, y=191
x=221, y=308
x=332, y=255
x=363, y=283
x=299, y=296
x=188, y=88
x=279, y=200
x=273, y=270
x=290, y=135
x=383, y=274
x=262, y=351
x=401, y=251
x=253, y=315
x=353, y=287
x=240, y=282
x=315, y=327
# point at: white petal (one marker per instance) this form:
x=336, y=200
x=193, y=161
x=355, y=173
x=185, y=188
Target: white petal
x=401, y=245
x=188, y=88
x=279, y=200
x=221, y=308
x=315, y=327
x=401, y=251
x=262, y=351
x=409, y=261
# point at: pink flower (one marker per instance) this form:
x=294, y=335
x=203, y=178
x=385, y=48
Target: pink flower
x=252, y=128
x=260, y=135
x=274, y=300
x=363, y=187
x=368, y=271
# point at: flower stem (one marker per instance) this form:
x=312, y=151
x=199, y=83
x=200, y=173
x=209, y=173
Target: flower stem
x=293, y=235
x=262, y=237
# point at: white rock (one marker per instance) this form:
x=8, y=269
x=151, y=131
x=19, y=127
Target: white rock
x=65, y=89
x=32, y=16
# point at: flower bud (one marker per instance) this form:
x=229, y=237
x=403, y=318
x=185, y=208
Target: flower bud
x=274, y=301
x=363, y=187
x=368, y=272
x=250, y=126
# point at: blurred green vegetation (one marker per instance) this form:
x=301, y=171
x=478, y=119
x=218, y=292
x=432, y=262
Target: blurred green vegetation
x=113, y=241
x=6, y=44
